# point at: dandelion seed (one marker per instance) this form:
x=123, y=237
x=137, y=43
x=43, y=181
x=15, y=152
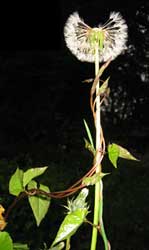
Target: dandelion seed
x=81, y=39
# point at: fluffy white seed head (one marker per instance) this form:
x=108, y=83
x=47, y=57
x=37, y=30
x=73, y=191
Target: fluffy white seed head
x=78, y=36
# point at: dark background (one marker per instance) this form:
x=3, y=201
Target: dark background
x=42, y=105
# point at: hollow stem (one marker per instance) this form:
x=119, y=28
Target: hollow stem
x=98, y=167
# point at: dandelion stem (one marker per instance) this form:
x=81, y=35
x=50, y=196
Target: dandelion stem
x=98, y=147
x=98, y=200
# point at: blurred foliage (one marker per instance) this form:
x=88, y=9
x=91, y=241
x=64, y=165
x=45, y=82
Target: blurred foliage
x=125, y=207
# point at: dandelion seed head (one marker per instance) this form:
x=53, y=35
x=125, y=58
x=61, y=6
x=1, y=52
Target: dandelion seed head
x=81, y=38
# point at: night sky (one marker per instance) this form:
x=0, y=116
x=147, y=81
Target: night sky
x=40, y=26
x=41, y=79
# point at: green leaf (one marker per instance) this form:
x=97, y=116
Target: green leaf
x=113, y=153
x=93, y=179
x=58, y=247
x=124, y=153
x=70, y=225
x=19, y=246
x=89, y=147
x=16, y=183
x=32, y=173
x=78, y=210
x=89, y=134
x=39, y=204
x=5, y=241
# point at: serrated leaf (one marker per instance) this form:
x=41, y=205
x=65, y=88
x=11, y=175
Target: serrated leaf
x=5, y=241
x=58, y=247
x=31, y=174
x=89, y=147
x=70, y=225
x=89, y=134
x=39, y=204
x=93, y=179
x=124, y=153
x=16, y=183
x=113, y=153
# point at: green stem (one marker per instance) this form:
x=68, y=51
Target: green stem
x=67, y=244
x=102, y=230
x=98, y=168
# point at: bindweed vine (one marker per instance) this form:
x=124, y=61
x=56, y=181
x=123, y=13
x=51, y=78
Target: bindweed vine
x=99, y=45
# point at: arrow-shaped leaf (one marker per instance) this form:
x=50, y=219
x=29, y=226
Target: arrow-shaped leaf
x=31, y=174
x=39, y=204
x=113, y=153
x=77, y=211
x=16, y=183
x=70, y=225
x=124, y=153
